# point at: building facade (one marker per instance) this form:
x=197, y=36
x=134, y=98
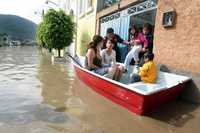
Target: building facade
x=176, y=41
x=86, y=24
x=178, y=47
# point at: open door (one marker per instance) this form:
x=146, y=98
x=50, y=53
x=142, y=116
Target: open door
x=144, y=17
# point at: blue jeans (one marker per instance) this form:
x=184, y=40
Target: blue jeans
x=135, y=78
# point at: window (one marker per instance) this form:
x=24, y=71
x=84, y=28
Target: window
x=108, y=3
x=145, y=17
x=81, y=7
x=102, y=4
x=89, y=4
x=85, y=6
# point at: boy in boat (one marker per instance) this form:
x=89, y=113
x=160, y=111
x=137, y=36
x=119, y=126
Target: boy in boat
x=148, y=72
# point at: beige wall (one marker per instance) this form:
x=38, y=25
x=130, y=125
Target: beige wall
x=178, y=48
x=86, y=29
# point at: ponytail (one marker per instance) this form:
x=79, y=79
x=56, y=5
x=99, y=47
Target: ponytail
x=95, y=41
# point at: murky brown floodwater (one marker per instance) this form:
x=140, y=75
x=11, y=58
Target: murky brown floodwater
x=37, y=96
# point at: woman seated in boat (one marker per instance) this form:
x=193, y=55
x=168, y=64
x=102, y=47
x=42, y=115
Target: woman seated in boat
x=93, y=60
x=109, y=59
x=148, y=72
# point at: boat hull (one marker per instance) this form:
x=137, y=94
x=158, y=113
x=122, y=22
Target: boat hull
x=134, y=102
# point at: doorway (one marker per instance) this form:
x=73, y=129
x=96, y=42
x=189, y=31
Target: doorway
x=142, y=18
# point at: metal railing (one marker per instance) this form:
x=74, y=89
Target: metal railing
x=102, y=4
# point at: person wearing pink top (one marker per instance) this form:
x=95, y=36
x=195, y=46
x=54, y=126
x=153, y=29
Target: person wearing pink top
x=139, y=43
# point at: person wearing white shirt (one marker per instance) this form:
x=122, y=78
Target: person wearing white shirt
x=109, y=59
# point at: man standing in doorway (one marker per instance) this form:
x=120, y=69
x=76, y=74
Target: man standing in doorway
x=110, y=35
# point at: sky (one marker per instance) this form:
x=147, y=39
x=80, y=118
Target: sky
x=23, y=8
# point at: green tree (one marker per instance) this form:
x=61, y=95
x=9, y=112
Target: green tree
x=57, y=30
x=40, y=35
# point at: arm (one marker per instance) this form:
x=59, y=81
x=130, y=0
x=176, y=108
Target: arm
x=126, y=42
x=90, y=57
x=143, y=71
x=114, y=56
x=150, y=39
x=120, y=40
x=144, y=40
x=103, y=56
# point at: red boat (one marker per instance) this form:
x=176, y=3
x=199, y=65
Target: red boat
x=140, y=97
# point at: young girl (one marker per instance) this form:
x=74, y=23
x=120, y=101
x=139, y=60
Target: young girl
x=109, y=59
x=148, y=72
x=139, y=43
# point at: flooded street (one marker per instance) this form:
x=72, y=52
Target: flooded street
x=38, y=96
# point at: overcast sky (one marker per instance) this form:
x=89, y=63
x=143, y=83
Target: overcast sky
x=23, y=8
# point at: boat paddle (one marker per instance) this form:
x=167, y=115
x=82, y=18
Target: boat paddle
x=73, y=58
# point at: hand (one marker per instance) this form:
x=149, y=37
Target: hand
x=137, y=41
x=143, y=49
x=131, y=43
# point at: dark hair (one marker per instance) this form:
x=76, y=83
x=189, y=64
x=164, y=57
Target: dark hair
x=95, y=41
x=148, y=26
x=149, y=55
x=136, y=31
x=110, y=30
x=112, y=41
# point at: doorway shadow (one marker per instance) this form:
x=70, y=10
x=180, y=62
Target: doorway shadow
x=176, y=113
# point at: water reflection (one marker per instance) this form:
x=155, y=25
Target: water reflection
x=38, y=96
x=58, y=85
x=32, y=89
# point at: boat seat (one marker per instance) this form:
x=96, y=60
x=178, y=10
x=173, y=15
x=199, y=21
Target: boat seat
x=164, y=81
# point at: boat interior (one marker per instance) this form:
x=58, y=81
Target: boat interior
x=164, y=81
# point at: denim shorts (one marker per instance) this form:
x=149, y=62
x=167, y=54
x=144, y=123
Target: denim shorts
x=101, y=71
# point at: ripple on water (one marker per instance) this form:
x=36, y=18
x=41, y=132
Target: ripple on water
x=75, y=106
x=5, y=67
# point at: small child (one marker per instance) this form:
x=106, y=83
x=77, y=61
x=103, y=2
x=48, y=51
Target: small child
x=148, y=72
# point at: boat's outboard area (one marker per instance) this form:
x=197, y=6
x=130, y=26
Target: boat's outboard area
x=164, y=81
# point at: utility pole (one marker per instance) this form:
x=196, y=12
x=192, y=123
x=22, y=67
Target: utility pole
x=76, y=40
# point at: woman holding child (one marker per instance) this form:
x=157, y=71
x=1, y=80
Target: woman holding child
x=139, y=43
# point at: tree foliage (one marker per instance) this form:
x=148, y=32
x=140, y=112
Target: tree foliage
x=56, y=30
x=39, y=36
